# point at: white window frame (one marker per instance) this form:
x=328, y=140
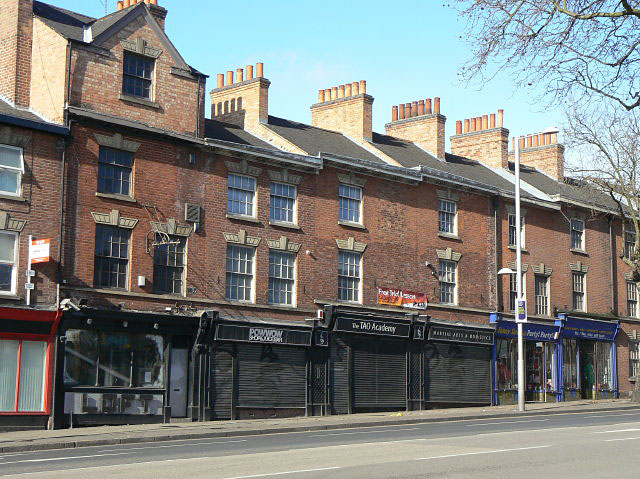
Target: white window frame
x=634, y=358
x=628, y=246
x=254, y=200
x=522, y=230
x=455, y=282
x=358, y=277
x=252, y=299
x=453, y=215
x=14, y=270
x=294, y=220
x=582, y=246
x=583, y=284
x=360, y=202
x=20, y=170
x=293, y=279
x=632, y=299
x=547, y=281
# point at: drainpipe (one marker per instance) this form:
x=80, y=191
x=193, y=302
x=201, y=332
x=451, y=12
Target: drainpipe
x=612, y=264
x=198, y=110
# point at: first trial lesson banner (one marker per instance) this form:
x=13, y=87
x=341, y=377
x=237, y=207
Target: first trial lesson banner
x=405, y=299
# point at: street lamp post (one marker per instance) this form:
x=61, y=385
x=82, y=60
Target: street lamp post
x=519, y=298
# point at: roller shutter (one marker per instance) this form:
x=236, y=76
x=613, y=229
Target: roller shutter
x=379, y=373
x=457, y=373
x=339, y=380
x=222, y=383
x=271, y=376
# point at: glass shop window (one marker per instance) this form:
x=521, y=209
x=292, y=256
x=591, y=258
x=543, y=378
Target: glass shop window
x=570, y=363
x=22, y=375
x=506, y=364
x=109, y=359
x=604, y=367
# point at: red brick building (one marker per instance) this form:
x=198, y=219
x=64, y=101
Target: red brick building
x=251, y=266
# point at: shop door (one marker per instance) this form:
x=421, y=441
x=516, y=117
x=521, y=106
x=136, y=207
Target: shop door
x=178, y=382
x=222, y=383
x=379, y=374
x=535, y=371
x=271, y=376
x=457, y=373
x=587, y=368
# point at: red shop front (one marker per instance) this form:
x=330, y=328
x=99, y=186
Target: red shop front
x=27, y=342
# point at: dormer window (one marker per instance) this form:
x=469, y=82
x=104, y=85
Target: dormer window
x=137, y=80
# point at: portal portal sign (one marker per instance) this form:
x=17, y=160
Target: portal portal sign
x=373, y=326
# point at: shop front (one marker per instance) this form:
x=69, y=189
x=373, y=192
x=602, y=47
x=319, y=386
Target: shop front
x=375, y=362
x=588, y=358
x=261, y=370
x=542, y=359
x=27, y=343
x=458, y=364
x=123, y=367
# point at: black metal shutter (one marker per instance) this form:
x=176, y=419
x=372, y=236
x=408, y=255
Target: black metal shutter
x=339, y=381
x=318, y=392
x=271, y=376
x=457, y=373
x=416, y=375
x=379, y=373
x=222, y=383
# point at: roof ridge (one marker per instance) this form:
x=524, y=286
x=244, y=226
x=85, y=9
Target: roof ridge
x=64, y=10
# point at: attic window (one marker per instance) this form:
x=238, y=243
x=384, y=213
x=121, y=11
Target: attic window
x=138, y=72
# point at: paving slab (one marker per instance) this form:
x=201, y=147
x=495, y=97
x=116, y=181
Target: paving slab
x=21, y=441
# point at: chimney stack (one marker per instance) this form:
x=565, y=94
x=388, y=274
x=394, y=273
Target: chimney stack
x=159, y=13
x=542, y=152
x=16, y=25
x=242, y=102
x=418, y=124
x=345, y=110
x=486, y=141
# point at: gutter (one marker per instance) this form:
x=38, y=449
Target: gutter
x=34, y=125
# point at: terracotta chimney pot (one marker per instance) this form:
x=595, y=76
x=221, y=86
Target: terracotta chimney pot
x=341, y=91
x=427, y=106
x=320, y=96
x=529, y=141
x=239, y=75
x=220, y=80
x=458, y=127
x=521, y=139
x=154, y=2
x=249, y=72
x=355, y=88
x=485, y=122
x=401, y=111
x=554, y=138
x=474, y=124
x=120, y=5
x=394, y=113
x=536, y=140
x=436, y=105
x=127, y=3
x=260, y=70
x=327, y=94
x=421, y=107
x=407, y=110
x=334, y=93
x=500, y=118
x=229, y=77
x=347, y=90
x=466, y=125
x=414, y=108
x=363, y=86
x=492, y=120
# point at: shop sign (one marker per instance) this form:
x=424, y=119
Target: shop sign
x=585, y=329
x=372, y=326
x=39, y=250
x=530, y=331
x=404, y=299
x=261, y=334
x=460, y=335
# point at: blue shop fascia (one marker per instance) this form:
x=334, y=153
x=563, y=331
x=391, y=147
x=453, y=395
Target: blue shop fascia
x=568, y=359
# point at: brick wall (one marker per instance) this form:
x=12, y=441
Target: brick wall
x=426, y=131
x=40, y=207
x=16, y=24
x=351, y=116
x=487, y=146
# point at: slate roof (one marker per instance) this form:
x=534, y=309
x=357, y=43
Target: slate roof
x=17, y=116
x=227, y=132
x=67, y=23
x=9, y=110
x=314, y=140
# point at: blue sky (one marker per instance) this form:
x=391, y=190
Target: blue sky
x=406, y=50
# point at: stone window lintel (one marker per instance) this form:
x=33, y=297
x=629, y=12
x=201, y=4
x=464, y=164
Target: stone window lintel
x=448, y=254
x=283, y=244
x=283, y=176
x=11, y=224
x=351, y=179
x=242, y=238
x=114, y=219
x=117, y=142
x=350, y=244
x=141, y=47
x=243, y=168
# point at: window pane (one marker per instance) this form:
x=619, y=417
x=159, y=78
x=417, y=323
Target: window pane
x=80, y=358
x=114, y=171
x=9, y=181
x=7, y=247
x=8, y=374
x=10, y=157
x=32, y=371
x=239, y=278
x=111, y=260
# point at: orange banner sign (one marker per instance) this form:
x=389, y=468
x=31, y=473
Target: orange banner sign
x=405, y=299
x=39, y=250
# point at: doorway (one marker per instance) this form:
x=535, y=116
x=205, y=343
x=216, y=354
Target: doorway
x=178, y=382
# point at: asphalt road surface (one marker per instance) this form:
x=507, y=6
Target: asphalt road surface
x=583, y=445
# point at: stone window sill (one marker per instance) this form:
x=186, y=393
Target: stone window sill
x=351, y=224
x=19, y=198
x=283, y=224
x=450, y=236
x=513, y=248
x=250, y=219
x=10, y=297
x=579, y=251
x=113, y=196
x=139, y=101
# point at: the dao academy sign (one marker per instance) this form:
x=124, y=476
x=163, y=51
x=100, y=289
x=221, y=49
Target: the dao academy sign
x=371, y=326
x=405, y=299
x=460, y=335
x=262, y=334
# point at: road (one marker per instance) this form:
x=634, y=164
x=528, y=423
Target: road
x=602, y=444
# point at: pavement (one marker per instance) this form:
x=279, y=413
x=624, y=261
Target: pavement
x=40, y=440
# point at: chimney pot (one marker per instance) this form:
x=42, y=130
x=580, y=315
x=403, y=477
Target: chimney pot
x=334, y=92
x=220, y=80
x=320, y=96
x=120, y=5
x=401, y=111
x=229, y=77
x=260, y=70
x=146, y=1
x=485, y=122
x=521, y=139
x=154, y=2
x=500, y=118
x=394, y=113
x=466, y=125
x=363, y=86
x=529, y=141
x=249, y=72
x=240, y=75
x=536, y=140
x=548, y=135
x=414, y=108
x=327, y=94
x=474, y=122
x=554, y=138
x=421, y=107
x=355, y=88
x=341, y=91
x=407, y=110
x=127, y=3
x=436, y=105
x=458, y=127
x=492, y=120
x=427, y=106
x=347, y=90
